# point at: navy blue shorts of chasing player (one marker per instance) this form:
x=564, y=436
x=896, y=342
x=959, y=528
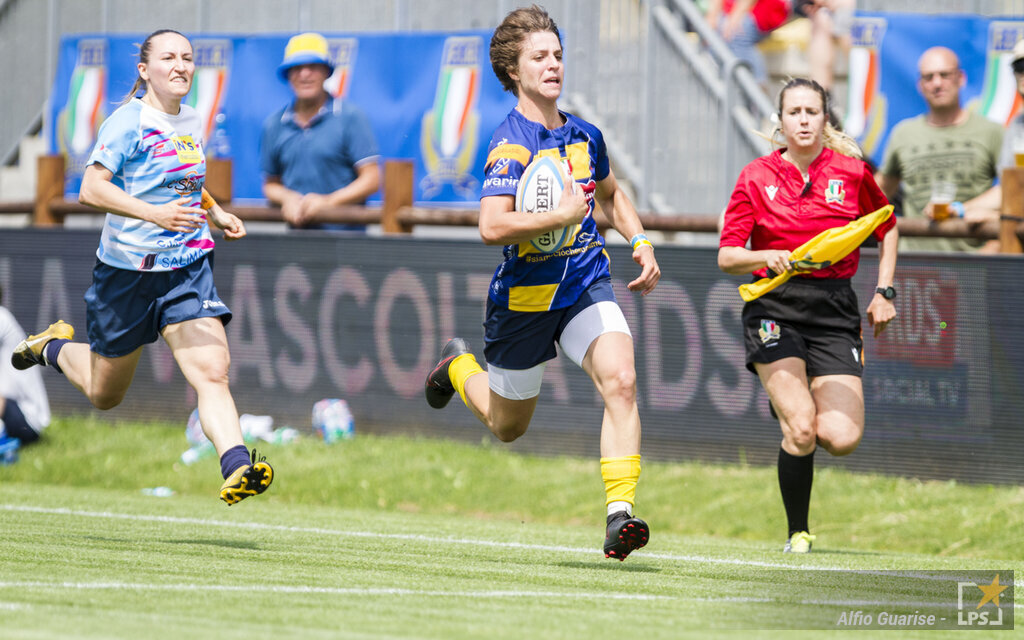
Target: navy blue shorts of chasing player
x=127, y=309
x=16, y=424
x=816, y=320
x=520, y=340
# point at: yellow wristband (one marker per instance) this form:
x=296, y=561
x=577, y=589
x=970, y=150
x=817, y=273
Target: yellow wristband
x=640, y=240
x=208, y=201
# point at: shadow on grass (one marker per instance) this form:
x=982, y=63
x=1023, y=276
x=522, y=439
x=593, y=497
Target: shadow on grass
x=613, y=565
x=846, y=552
x=234, y=544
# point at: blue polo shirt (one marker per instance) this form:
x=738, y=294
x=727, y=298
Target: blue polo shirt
x=322, y=157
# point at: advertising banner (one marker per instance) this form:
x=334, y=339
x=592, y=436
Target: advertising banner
x=430, y=97
x=364, y=319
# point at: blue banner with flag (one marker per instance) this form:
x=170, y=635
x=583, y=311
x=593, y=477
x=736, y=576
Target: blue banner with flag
x=430, y=97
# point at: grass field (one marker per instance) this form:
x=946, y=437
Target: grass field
x=411, y=538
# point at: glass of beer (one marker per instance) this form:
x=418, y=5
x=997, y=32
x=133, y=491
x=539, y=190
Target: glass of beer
x=1018, y=148
x=943, y=193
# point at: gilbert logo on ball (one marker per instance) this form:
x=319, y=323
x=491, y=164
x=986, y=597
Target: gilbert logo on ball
x=540, y=189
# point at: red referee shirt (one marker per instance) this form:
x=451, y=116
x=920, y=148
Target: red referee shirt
x=773, y=208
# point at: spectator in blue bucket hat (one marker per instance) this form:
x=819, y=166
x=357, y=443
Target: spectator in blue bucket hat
x=319, y=151
x=305, y=48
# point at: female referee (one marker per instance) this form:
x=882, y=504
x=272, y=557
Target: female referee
x=803, y=339
x=537, y=299
x=153, y=274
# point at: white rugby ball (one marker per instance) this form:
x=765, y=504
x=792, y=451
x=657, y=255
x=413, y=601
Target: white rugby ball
x=540, y=189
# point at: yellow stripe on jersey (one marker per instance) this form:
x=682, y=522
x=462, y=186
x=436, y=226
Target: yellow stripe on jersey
x=579, y=158
x=535, y=298
x=508, y=151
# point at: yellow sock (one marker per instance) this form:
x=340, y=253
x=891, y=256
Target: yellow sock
x=462, y=369
x=620, y=476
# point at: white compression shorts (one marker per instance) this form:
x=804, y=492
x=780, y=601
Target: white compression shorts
x=578, y=335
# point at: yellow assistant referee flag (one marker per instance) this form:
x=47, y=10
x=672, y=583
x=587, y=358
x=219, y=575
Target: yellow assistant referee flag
x=826, y=248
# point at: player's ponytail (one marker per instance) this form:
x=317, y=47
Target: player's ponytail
x=841, y=142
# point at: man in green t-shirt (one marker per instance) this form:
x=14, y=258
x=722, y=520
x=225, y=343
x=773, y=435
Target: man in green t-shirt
x=948, y=144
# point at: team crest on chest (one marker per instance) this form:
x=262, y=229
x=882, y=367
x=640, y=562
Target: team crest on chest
x=835, y=193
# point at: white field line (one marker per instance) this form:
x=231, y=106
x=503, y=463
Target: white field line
x=305, y=589
x=430, y=539
x=230, y=524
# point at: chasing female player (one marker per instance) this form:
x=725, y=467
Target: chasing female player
x=153, y=275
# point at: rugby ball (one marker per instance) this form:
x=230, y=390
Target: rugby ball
x=540, y=188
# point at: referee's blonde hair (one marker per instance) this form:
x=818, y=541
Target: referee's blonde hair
x=833, y=138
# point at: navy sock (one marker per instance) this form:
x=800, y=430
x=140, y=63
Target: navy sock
x=232, y=459
x=796, y=473
x=51, y=350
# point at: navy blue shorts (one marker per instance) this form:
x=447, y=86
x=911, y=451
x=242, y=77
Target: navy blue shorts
x=127, y=309
x=524, y=339
x=816, y=320
x=16, y=425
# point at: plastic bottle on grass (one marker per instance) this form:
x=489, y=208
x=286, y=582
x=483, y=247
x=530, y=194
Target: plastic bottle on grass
x=158, y=492
x=9, y=450
x=333, y=420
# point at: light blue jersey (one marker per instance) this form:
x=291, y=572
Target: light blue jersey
x=158, y=158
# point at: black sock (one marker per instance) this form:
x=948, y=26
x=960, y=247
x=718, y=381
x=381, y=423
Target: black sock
x=796, y=473
x=52, y=350
x=233, y=458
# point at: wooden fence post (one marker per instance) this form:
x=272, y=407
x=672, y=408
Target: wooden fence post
x=398, y=187
x=1012, y=209
x=49, y=187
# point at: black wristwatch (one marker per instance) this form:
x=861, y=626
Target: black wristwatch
x=887, y=292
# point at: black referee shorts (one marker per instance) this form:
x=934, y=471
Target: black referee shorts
x=816, y=320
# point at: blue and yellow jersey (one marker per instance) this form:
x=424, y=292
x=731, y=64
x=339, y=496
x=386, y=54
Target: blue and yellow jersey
x=528, y=280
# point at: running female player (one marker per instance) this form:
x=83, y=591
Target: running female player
x=537, y=299
x=153, y=275
x=803, y=339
